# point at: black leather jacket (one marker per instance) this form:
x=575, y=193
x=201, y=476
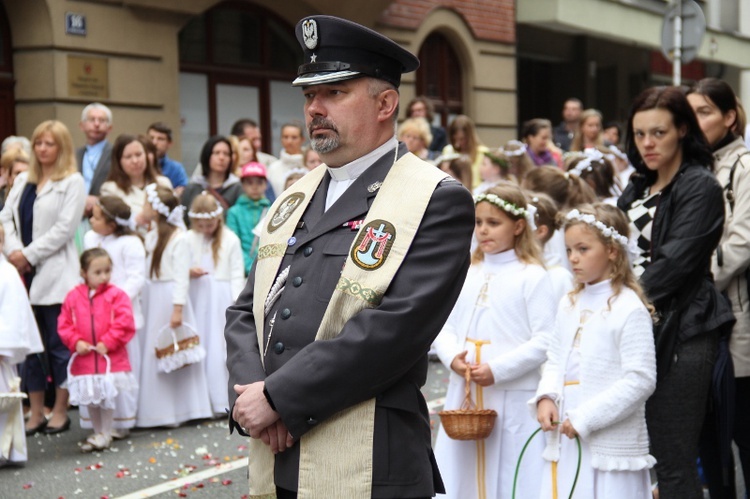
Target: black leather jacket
x=686, y=230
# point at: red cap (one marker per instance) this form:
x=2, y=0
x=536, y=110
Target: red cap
x=253, y=169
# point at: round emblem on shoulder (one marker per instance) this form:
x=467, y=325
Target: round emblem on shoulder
x=285, y=210
x=373, y=244
x=310, y=33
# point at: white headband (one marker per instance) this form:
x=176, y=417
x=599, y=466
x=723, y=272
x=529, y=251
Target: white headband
x=630, y=245
x=518, y=152
x=207, y=216
x=528, y=213
x=122, y=222
x=174, y=217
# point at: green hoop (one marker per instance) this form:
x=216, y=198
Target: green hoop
x=518, y=464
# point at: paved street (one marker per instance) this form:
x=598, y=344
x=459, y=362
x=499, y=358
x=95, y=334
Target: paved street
x=198, y=460
x=195, y=460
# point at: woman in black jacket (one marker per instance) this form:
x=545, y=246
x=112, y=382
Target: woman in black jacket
x=676, y=209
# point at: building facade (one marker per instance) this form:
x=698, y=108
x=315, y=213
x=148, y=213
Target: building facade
x=605, y=52
x=199, y=65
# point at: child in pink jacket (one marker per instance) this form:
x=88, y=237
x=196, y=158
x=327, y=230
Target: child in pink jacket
x=97, y=320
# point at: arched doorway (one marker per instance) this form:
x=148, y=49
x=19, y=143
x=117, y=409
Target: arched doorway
x=237, y=61
x=439, y=77
x=7, y=97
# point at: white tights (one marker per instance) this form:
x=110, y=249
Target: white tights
x=101, y=419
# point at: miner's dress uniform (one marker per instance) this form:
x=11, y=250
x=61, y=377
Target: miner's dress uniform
x=374, y=355
x=381, y=352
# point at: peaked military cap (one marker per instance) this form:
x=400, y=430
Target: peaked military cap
x=337, y=49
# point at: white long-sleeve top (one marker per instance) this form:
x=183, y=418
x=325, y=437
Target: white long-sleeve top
x=175, y=263
x=128, y=265
x=517, y=316
x=57, y=212
x=616, y=367
x=230, y=265
x=19, y=335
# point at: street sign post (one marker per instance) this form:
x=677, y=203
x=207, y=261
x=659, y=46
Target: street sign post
x=682, y=34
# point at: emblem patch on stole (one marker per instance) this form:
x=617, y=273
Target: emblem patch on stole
x=285, y=210
x=310, y=33
x=373, y=244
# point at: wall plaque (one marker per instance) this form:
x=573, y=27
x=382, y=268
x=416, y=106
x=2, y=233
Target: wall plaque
x=88, y=77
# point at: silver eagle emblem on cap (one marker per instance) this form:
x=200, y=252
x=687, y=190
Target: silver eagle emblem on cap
x=310, y=33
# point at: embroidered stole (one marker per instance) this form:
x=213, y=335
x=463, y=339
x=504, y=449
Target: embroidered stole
x=336, y=455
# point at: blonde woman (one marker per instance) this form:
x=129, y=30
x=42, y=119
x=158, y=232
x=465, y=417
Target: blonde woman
x=415, y=133
x=464, y=140
x=12, y=162
x=589, y=133
x=40, y=219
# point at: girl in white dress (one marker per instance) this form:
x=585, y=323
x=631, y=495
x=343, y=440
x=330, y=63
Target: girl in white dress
x=601, y=368
x=111, y=230
x=546, y=229
x=217, y=276
x=167, y=399
x=499, y=330
x=19, y=337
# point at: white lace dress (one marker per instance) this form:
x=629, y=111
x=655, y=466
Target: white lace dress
x=182, y=395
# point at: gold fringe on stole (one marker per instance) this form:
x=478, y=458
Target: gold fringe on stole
x=344, y=442
x=260, y=457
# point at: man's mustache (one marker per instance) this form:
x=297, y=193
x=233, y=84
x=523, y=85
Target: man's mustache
x=320, y=122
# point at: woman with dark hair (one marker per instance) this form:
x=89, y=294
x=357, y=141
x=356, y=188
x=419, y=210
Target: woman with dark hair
x=131, y=172
x=537, y=135
x=216, y=176
x=676, y=212
x=718, y=113
x=421, y=107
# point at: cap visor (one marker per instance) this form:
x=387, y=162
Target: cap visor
x=320, y=78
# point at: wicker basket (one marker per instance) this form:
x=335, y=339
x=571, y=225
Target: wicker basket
x=468, y=422
x=179, y=348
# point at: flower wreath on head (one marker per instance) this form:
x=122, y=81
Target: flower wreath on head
x=589, y=156
x=528, y=212
x=207, y=216
x=501, y=162
x=174, y=217
x=122, y=222
x=630, y=245
x=517, y=152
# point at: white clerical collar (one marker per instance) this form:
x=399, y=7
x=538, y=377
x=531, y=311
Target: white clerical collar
x=351, y=171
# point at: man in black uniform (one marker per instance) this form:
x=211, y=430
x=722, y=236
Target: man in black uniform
x=285, y=385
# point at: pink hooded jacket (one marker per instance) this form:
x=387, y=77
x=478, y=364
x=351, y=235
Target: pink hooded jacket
x=107, y=316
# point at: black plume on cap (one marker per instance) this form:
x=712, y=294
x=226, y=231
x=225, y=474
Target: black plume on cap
x=337, y=49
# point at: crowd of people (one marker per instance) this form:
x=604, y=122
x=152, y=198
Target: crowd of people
x=607, y=292
x=177, y=247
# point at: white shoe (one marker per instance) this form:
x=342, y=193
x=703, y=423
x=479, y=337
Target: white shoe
x=96, y=442
x=120, y=433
